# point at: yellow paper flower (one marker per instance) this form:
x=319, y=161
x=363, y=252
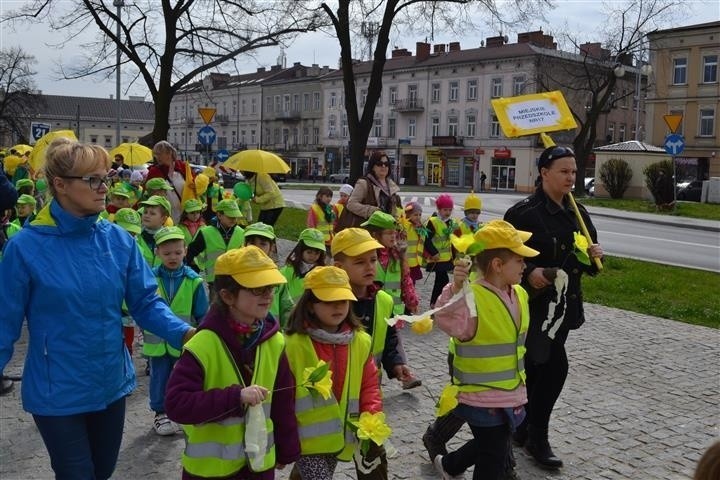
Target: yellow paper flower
x=463, y=242
x=581, y=242
x=422, y=326
x=318, y=378
x=372, y=426
x=448, y=400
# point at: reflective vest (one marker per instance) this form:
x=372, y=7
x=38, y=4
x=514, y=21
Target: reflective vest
x=217, y=448
x=322, y=224
x=441, y=240
x=465, y=228
x=415, y=247
x=383, y=310
x=186, y=232
x=10, y=229
x=391, y=278
x=295, y=285
x=181, y=306
x=148, y=253
x=215, y=246
x=493, y=358
x=338, y=209
x=322, y=424
x=214, y=195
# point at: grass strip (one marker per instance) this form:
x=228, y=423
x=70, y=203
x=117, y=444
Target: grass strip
x=705, y=211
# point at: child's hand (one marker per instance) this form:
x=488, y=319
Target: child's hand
x=461, y=272
x=402, y=372
x=253, y=394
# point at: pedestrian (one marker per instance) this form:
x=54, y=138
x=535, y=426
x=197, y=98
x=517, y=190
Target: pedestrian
x=487, y=349
x=25, y=210
x=472, y=209
x=213, y=194
x=416, y=236
x=440, y=226
x=267, y=196
x=173, y=170
x=322, y=214
x=155, y=212
x=483, y=179
x=345, y=192
x=184, y=291
x=235, y=371
x=323, y=328
x=553, y=280
x=262, y=236
x=119, y=198
x=68, y=273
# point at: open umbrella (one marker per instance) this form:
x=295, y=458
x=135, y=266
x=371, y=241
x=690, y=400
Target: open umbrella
x=133, y=154
x=258, y=161
x=21, y=148
x=37, y=157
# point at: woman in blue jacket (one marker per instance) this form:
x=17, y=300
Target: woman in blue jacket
x=68, y=274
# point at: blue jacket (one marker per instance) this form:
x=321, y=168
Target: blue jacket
x=69, y=277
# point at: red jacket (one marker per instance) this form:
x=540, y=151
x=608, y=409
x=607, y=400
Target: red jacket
x=161, y=171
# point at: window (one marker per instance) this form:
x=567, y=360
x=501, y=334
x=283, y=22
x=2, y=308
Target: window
x=363, y=97
x=316, y=100
x=306, y=102
x=621, y=133
x=707, y=122
x=633, y=133
x=680, y=71
x=518, y=85
x=333, y=99
x=393, y=95
x=296, y=103
x=496, y=88
x=610, y=133
x=331, y=126
x=243, y=103
x=435, y=93
x=471, y=125
x=391, y=127
x=453, y=95
x=345, y=131
x=268, y=104
x=435, y=127
x=411, y=128
x=452, y=126
x=412, y=92
x=377, y=128
x=93, y=138
x=278, y=103
x=624, y=98
x=472, y=90
x=286, y=102
x=277, y=135
x=253, y=105
x=108, y=139
x=494, y=126
x=710, y=64
x=306, y=134
x=252, y=136
x=267, y=136
x=295, y=136
x=285, y=136
x=316, y=136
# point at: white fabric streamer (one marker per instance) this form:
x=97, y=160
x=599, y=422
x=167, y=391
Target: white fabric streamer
x=561, y=282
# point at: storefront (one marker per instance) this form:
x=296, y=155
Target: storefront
x=503, y=169
x=451, y=167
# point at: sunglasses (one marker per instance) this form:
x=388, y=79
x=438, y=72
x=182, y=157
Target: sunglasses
x=92, y=181
x=382, y=164
x=557, y=152
x=260, y=291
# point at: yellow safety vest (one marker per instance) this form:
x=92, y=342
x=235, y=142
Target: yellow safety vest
x=415, y=247
x=322, y=224
x=217, y=448
x=441, y=240
x=383, y=310
x=391, y=278
x=215, y=246
x=322, y=424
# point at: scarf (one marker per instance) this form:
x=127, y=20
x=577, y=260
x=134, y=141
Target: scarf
x=473, y=225
x=323, y=336
x=328, y=211
x=193, y=227
x=250, y=334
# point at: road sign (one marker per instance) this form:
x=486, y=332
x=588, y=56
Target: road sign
x=206, y=135
x=222, y=155
x=37, y=130
x=207, y=114
x=673, y=121
x=674, y=144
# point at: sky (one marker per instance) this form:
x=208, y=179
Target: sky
x=582, y=17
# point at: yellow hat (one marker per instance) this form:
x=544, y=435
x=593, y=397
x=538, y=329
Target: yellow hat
x=501, y=234
x=250, y=267
x=353, y=242
x=329, y=284
x=472, y=202
x=209, y=172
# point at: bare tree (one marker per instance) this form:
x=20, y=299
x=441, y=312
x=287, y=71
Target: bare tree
x=18, y=99
x=168, y=43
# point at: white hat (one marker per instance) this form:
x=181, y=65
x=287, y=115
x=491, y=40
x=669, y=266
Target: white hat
x=346, y=189
x=136, y=176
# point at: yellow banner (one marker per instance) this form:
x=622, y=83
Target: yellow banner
x=532, y=114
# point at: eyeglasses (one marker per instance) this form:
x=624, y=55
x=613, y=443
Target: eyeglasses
x=260, y=291
x=92, y=181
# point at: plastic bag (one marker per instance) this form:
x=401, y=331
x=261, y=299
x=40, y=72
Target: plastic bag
x=255, y=436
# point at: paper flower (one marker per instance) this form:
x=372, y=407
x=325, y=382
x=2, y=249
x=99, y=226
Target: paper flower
x=463, y=242
x=372, y=426
x=448, y=400
x=318, y=379
x=581, y=248
x=422, y=326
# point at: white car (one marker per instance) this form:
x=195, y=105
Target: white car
x=340, y=177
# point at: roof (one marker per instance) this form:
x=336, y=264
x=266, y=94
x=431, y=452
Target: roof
x=101, y=109
x=697, y=26
x=630, y=146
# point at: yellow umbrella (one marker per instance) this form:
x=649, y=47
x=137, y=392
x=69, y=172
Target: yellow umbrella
x=21, y=148
x=37, y=157
x=258, y=161
x=133, y=154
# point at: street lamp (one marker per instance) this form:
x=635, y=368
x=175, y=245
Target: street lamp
x=646, y=70
x=369, y=30
x=118, y=5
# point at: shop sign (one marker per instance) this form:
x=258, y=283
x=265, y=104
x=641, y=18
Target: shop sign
x=503, y=152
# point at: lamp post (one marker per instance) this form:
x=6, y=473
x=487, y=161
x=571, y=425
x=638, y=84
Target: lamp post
x=369, y=30
x=646, y=70
x=118, y=105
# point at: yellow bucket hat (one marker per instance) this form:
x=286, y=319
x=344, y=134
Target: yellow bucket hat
x=353, y=242
x=501, y=234
x=250, y=267
x=329, y=284
x=472, y=202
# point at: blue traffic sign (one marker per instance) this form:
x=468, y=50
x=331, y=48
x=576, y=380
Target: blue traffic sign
x=674, y=144
x=222, y=155
x=207, y=135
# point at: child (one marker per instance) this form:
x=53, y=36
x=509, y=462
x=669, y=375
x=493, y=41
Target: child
x=136, y=181
x=323, y=327
x=322, y=214
x=439, y=227
x=129, y=220
x=488, y=349
x=157, y=186
x=345, y=192
x=119, y=198
x=156, y=210
x=472, y=208
x=262, y=236
x=25, y=209
x=235, y=360
x=213, y=195
x=308, y=253
x=183, y=290
x=191, y=219
x=25, y=186
x=416, y=235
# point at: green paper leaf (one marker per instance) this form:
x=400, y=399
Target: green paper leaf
x=582, y=257
x=319, y=373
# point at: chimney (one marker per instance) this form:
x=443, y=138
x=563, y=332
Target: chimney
x=401, y=52
x=260, y=69
x=422, y=51
x=498, y=41
x=439, y=48
x=111, y=96
x=591, y=49
x=454, y=46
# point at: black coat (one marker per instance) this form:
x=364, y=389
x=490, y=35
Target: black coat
x=552, y=227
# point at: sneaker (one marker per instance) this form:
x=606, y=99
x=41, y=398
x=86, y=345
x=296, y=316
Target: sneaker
x=164, y=426
x=441, y=470
x=411, y=382
x=433, y=447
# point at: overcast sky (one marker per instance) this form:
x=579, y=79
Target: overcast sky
x=581, y=17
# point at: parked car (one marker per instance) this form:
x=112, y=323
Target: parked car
x=340, y=177
x=279, y=177
x=690, y=191
x=589, y=186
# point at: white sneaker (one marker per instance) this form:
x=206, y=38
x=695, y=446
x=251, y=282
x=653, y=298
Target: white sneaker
x=441, y=470
x=164, y=426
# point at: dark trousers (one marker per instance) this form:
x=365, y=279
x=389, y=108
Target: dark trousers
x=269, y=217
x=488, y=451
x=545, y=381
x=441, y=279
x=84, y=446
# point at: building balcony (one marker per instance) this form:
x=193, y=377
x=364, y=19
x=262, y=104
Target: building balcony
x=447, y=141
x=222, y=119
x=289, y=116
x=408, y=105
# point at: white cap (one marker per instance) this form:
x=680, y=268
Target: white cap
x=136, y=176
x=346, y=189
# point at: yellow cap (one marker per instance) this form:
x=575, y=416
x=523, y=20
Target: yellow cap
x=209, y=172
x=250, y=267
x=501, y=234
x=353, y=242
x=329, y=284
x=472, y=202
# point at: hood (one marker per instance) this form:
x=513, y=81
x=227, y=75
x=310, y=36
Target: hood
x=55, y=220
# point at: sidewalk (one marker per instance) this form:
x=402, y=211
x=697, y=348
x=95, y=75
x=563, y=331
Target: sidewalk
x=642, y=401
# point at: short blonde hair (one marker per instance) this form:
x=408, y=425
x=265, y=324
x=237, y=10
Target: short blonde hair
x=165, y=146
x=70, y=157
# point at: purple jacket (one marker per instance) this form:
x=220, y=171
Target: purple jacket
x=187, y=403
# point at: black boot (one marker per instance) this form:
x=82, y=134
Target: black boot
x=538, y=446
x=439, y=433
x=520, y=434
